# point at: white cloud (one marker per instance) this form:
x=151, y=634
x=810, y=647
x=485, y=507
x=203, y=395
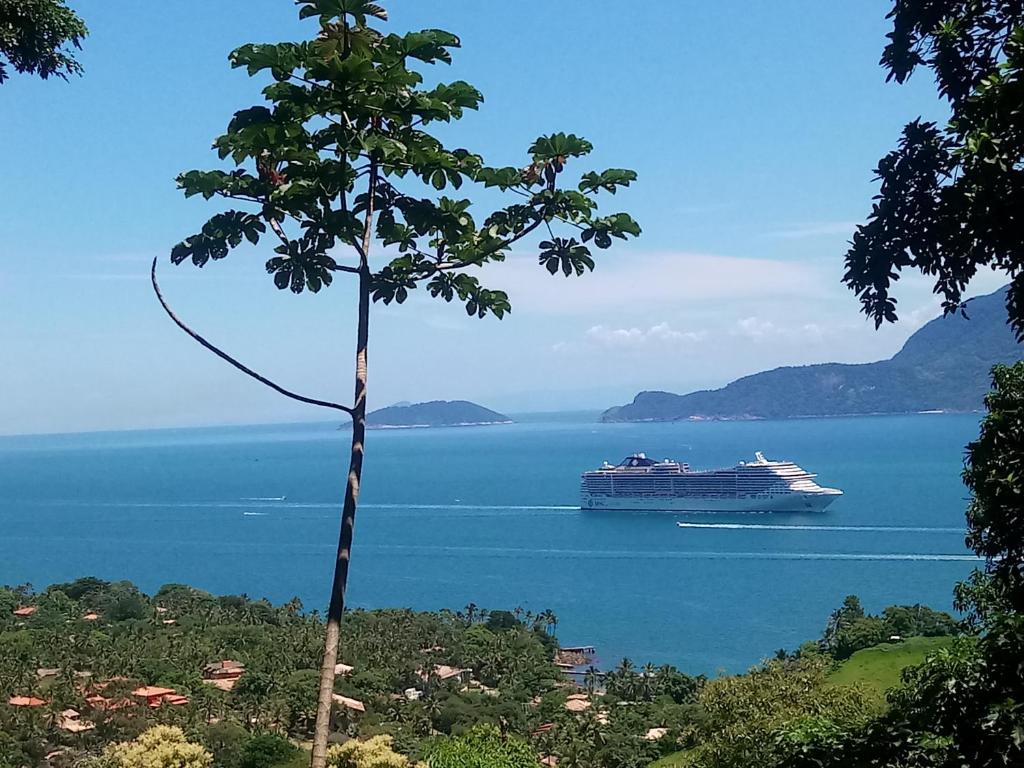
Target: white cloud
x=659, y=336
x=624, y=278
x=815, y=229
x=757, y=328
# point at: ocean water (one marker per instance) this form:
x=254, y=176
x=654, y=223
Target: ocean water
x=488, y=515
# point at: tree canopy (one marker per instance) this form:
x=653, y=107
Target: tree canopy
x=351, y=107
x=39, y=37
x=160, y=747
x=480, y=747
x=952, y=197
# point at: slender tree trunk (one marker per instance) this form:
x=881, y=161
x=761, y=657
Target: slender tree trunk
x=336, y=608
x=348, y=517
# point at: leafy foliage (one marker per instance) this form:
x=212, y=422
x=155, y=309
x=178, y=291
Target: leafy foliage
x=335, y=153
x=850, y=629
x=760, y=718
x=480, y=747
x=995, y=476
x=160, y=747
x=951, y=197
x=375, y=752
x=35, y=38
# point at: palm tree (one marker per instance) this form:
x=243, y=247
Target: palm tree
x=648, y=682
x=591, y=679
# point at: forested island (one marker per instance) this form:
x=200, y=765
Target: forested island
x=435, y=413
x=98, y=673
x=944, y=366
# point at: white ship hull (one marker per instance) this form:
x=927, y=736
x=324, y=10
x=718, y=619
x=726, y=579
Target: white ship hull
x=790, y=502
x=643, y=484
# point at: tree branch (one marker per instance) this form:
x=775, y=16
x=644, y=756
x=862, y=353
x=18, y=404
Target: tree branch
x=501, y=246
x=225, y=356
x=278, y=230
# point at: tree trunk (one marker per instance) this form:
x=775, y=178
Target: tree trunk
x=348, y=518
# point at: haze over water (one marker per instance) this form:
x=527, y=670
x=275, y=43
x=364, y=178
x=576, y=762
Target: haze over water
x=489, y=515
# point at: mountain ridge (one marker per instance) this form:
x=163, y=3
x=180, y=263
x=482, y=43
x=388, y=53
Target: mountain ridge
x=943, y=366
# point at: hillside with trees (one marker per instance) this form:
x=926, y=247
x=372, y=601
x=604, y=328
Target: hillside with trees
x=94, y=670
x=944, y=366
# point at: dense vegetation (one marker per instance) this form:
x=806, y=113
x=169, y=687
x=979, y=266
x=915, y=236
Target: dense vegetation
x=90, y=646
x=943, y=366
x=414, y=686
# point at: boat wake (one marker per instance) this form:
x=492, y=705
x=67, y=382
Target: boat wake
x=779, y=527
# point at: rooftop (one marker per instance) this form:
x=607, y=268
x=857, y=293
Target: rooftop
x=25, y=701
x=348, y=703
x=151, y=692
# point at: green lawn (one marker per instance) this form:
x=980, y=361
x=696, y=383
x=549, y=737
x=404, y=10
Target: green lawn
x=671, y=761
x=879, y=667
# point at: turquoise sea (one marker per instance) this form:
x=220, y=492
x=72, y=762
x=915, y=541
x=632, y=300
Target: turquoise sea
x=488, y=515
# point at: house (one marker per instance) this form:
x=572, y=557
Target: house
x=353, y=704
x=223, y=670
x=413, y=694
x=545, y=728
x=156, y=696
x=223, y=674
x=343, y=669
x=91, y=616
x=550, y=761
x=25, y=611
x=577, y=702
x=443, y=673
x=655, y=733
x=46, y=672
x=71, y=721
x=25, y=701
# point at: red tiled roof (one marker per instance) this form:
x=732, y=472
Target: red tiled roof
x=25, y=701
x=25, y=610
x=149, y=691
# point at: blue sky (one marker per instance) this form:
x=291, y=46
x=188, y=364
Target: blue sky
x=753, y=127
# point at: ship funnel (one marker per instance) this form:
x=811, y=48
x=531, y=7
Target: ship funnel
x=760, y=457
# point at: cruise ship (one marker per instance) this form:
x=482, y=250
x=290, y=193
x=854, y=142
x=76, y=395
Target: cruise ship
x=640, y=483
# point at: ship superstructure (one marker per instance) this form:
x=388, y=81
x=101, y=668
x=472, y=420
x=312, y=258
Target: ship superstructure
x=640, y=483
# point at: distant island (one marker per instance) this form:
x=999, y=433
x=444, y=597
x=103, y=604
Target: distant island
x=944, y=366
x=436, y=413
